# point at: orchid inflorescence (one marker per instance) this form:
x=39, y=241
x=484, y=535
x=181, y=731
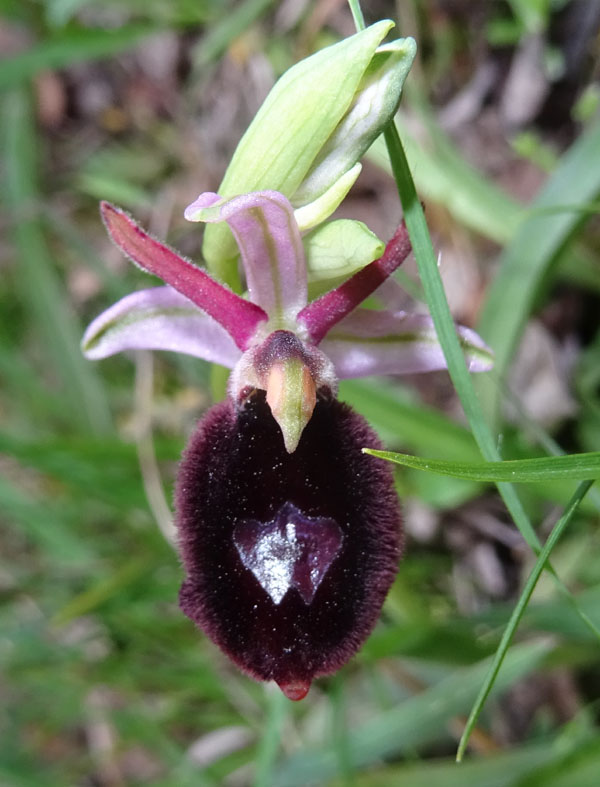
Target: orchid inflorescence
x=290, y=535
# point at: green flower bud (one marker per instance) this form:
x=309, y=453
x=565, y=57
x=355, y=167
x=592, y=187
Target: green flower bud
x=317, y=121
x=336, y=250
x=374, y=104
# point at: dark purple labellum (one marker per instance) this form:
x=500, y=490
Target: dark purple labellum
x=288, y=556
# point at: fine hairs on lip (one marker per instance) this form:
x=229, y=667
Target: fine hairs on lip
x=236, y=468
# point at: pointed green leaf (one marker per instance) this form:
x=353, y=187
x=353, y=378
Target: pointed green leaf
x=547, y=468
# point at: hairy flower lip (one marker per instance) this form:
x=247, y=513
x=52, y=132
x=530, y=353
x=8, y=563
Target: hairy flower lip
x=295, y=690
x=232, y=460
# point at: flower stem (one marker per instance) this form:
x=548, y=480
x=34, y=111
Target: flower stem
x=357, y=14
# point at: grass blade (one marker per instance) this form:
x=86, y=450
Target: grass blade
x=547, y=468
x=443, y=176
x=457, y=368
x=72, y=47
x=278, y=708
x=399, y=417
x=415, y=722
x=505, y=769
x=48, y=527
x=517, y=614
x=534, y=247
x=357, y=14
x=446, y=330
x=444, y=325
x=39, y=286
x=232, y=25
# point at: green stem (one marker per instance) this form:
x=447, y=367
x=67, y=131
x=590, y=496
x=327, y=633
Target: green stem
x=518, y=611
x=446, y=331
x=277, y=712
x=357, y=14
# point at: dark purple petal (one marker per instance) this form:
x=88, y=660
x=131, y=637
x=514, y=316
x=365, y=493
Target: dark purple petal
x=239, y=317
x=288, y=557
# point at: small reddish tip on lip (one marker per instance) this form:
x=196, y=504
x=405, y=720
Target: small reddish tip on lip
x=295, y=690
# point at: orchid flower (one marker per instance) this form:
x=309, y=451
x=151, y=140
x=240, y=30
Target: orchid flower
x=290, y=536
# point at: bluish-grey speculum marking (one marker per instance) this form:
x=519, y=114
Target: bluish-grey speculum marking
x=290, y=551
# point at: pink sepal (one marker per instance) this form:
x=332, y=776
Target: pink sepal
x=370, y=342
x=268, y=238
x=239, y=317
x=159, y=319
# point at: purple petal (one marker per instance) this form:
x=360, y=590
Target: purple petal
x=239, y=317
x=321, y=315
x=269, y=240
x=159, y=319
x=205, y=200
x=374, y=342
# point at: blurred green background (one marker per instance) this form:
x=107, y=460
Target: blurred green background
x=103, y=681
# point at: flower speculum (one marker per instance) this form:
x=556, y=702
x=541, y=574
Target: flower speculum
x=290, y=552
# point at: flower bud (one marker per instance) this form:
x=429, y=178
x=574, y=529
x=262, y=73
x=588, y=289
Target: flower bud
x=374, y=104
x=315, y=124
